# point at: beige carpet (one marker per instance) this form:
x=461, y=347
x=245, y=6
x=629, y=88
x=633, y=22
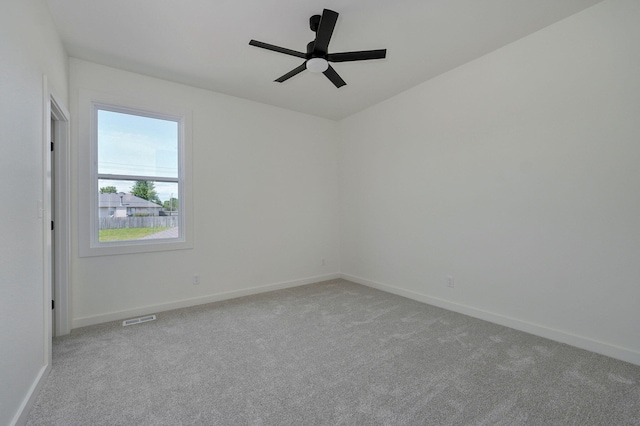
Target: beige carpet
x=331, y=353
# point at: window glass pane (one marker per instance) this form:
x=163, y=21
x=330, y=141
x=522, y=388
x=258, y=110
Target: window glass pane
x=131, y=210
x=138, y=177
x=135, y=145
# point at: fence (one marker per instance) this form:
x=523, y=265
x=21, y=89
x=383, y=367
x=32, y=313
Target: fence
x=138, y=222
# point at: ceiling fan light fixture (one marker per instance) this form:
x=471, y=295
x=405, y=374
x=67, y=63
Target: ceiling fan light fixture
x=317, y=65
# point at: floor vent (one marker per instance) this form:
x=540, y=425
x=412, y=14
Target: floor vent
x=133, y=321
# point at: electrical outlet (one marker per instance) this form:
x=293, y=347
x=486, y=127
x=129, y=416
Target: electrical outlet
x=450, y=282
x=323, y=262
x=196, y=279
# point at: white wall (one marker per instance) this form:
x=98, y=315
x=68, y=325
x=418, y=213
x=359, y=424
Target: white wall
x=518, y=175
x=29, y=48
x=265, y=199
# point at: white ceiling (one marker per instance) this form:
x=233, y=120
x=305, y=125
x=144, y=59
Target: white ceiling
x=204, y=43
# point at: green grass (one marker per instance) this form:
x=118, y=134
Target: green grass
x=126, y=234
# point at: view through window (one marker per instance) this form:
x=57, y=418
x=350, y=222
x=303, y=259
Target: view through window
x=138, y=177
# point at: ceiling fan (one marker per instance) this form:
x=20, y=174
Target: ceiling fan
x=317, y=57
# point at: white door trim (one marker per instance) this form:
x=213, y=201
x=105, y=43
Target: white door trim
x=54, y=109
x=62, y=191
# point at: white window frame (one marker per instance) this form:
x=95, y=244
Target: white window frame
x=89, y=104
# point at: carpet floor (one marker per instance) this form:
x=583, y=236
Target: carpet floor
x=331, y=353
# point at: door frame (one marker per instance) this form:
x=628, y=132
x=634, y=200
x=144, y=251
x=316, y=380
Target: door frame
x=55, y=110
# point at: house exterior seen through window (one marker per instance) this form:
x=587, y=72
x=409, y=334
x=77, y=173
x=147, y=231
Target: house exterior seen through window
x=138, y=176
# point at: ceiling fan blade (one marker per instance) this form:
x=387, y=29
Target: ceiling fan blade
x=334, y=77
x=278, y=49
x=361, y=55
x=325, y=30
x=291, y=73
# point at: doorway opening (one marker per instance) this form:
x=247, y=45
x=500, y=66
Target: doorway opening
x=57, y=208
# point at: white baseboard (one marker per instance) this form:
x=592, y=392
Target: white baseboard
x=22, y=414
x=184, y=303
x=581, y=342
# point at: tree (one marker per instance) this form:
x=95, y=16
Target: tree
x=108, y=190
x=145, y=190
x=171, y=205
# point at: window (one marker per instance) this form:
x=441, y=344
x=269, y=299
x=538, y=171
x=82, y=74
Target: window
x=138, y=191
x=138, y=174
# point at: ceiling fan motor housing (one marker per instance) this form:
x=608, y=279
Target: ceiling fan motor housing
x=310, y=48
